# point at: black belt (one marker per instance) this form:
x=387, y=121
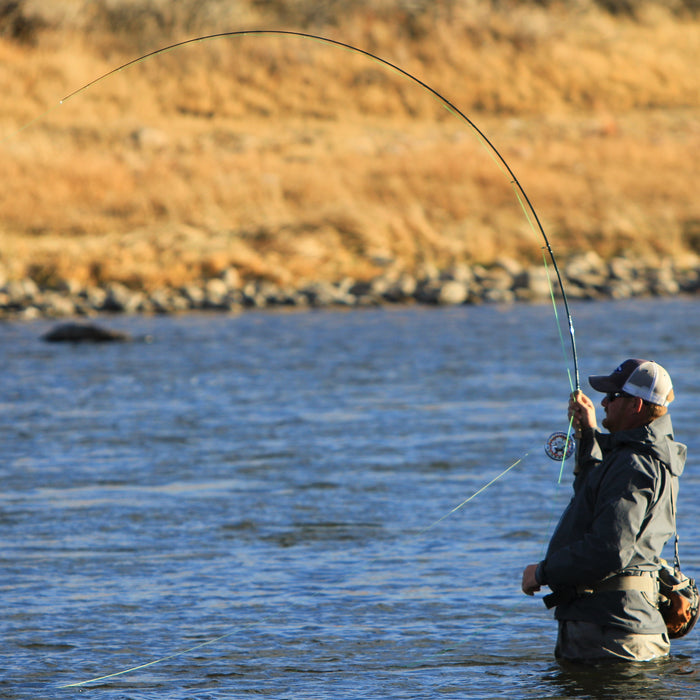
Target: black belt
x=644, y=581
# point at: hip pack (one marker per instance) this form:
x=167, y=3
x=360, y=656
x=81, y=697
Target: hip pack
x=679, y=600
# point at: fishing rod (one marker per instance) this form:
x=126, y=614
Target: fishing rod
x=524, y=200
x=559, y=445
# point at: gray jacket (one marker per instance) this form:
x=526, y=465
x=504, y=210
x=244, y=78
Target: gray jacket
x=620, y=517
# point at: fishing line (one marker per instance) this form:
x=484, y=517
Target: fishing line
x=523, y=199
x=563, y=451
x=238, y=630
x=556, y=316
x=157, y=661
x=473, y=496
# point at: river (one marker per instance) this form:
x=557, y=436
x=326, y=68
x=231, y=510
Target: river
x=273, y=504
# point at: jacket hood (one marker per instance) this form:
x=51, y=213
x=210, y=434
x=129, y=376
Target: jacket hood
x=656, y=438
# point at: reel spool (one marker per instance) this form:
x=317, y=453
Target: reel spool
x=559, y=446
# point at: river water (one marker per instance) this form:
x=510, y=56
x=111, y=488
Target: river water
x=265, y=505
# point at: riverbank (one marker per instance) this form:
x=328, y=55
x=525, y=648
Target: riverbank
x=584, y=277
x=299, y=164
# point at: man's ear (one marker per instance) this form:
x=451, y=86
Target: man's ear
x=638, y=405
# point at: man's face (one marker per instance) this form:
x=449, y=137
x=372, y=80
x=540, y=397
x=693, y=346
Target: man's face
x=620, y=413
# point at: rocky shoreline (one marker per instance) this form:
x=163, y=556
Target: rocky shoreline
x=584, y=277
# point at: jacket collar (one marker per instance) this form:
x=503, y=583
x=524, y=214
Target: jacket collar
x=655, y=438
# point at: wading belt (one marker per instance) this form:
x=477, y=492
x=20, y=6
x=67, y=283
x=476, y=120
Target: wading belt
x=645, y=581
x=638, y=581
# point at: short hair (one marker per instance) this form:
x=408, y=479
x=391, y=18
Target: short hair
x=655, y=411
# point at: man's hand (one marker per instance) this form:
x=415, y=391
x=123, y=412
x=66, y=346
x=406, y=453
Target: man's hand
x=530, y=584
x=582, y=410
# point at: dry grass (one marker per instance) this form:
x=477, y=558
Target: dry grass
x=294, y=160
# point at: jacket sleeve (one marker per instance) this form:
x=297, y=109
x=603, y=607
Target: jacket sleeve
x=619, y=509
x=588, y=453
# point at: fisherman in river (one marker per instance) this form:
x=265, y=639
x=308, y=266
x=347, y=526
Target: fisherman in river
x=604, y=555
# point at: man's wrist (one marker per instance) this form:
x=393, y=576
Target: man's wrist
x=540, y=575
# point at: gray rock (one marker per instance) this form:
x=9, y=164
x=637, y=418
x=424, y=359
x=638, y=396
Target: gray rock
x=401, y=289
x=56, y=304
x=231, y=278
x=194, y=294
x=495, y=279
x=22, y=290
x=585, y=276
x=162, y=301
x=118, y=299
x=499, y=296
x=622, y=269
x=320, y=294
x=83, y=333
x=94, y=297
x=458, y=272
x=618, y=289
x=428, y=291
x=689, y=281
x=30, y=313
x=453, y=293
x=532, y=284
x=512, y=267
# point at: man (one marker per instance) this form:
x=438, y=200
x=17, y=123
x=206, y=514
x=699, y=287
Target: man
x=602, y=560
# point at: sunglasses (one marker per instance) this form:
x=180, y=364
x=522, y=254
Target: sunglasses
x=612, y=396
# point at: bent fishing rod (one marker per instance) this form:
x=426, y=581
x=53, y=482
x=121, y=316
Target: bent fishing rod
x=521, y=195
x=524, y=200
x=560, y=441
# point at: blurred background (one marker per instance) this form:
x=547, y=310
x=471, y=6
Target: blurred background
x=293, y=160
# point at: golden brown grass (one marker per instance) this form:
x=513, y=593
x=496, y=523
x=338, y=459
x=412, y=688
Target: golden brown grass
x=294, y=160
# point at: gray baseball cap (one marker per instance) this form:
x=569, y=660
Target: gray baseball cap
x=644, y=379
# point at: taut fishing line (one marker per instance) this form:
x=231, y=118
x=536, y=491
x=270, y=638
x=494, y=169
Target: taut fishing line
x=237, y=630
x=560, y=445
